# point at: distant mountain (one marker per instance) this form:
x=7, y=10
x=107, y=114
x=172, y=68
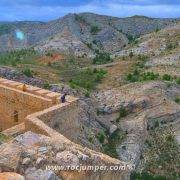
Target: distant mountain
x=80, y=34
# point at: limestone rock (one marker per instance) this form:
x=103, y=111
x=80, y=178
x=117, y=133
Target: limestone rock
x=9, y=156
x=39, y=174
x=112, y=129
x=66, y=158
x=26, y=161
x=28, y=139
x=11, y=176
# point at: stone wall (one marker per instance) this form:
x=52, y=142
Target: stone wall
x=63, y=118
x=16, y=105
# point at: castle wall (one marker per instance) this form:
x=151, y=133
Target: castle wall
x=62, y=118
x=15, y=105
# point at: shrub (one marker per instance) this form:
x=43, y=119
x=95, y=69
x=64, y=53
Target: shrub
x=101, y=137
x=27, y=72
x=95, y=29
x=131, y=54
x=122, y=113
x=46, y=86
x=167, y=77
x=89, y=45
x=156, y=124
x=157, y=29
x=102, y=58
x=178, y=80
x=145, y=176
x=171, y=46
x=87, y=94
x=132, y=39
x=149, y=76
x=177, y=100
x=80, y=18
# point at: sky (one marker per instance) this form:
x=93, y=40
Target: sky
x=46, y=10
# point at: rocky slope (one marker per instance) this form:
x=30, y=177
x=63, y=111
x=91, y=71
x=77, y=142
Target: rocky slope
x=79, y=34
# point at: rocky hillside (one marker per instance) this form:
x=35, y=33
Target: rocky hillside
x=80, y=34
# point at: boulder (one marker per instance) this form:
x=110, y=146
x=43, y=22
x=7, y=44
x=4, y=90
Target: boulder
x=10, y=156
x=39, y=174
x=112, y=129
x=11, y=176
x=66, y=158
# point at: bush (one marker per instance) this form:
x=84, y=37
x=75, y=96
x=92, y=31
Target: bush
x=145, y=176
x=87, y=94
x=167, y=77
x=137, y=76
x=178, y=80
x=27, y=72
x=102, y=58
x=177, y=100
x=149, y=76
x=94, y=29
x=171, y=46
x=89, y=45
x=80, y=18
x=122, y=113
x=101, y=137
x=131, y=54
x=132, y=39
x=46, y=86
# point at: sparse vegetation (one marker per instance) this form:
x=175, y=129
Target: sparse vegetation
x=101, y=137
x=132, y=39
x=131, y=54
x=87, y=79
x=113, y=140
x=178, y=80
x=162, y=157
x=13, y=58
x=46, y=86
x=177, y=100
x=167, y=77
x=171, y=46
x=80, y=18
x=94, y=29
x=3, y=138
x=145, y=176
x=122, y=113
x=27, y=72
x=102, y=58
x=5, y=29
x=157, y=30
x=137, y=76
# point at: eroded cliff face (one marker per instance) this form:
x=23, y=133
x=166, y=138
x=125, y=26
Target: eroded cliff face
x=146, y=105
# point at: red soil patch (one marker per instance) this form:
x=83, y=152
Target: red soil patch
x=50, y=59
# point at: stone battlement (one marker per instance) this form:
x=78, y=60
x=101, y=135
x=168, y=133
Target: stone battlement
x=17, y=103
x=54, y=96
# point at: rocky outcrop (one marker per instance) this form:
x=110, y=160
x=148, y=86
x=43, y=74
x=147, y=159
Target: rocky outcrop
x=148, y=105
x=39, y=157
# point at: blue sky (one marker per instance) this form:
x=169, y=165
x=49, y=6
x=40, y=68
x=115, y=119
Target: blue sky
x=45, y=10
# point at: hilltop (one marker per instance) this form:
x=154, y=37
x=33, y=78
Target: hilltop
x=82, y=34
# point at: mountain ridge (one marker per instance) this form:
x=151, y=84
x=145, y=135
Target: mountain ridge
x=80, y=34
